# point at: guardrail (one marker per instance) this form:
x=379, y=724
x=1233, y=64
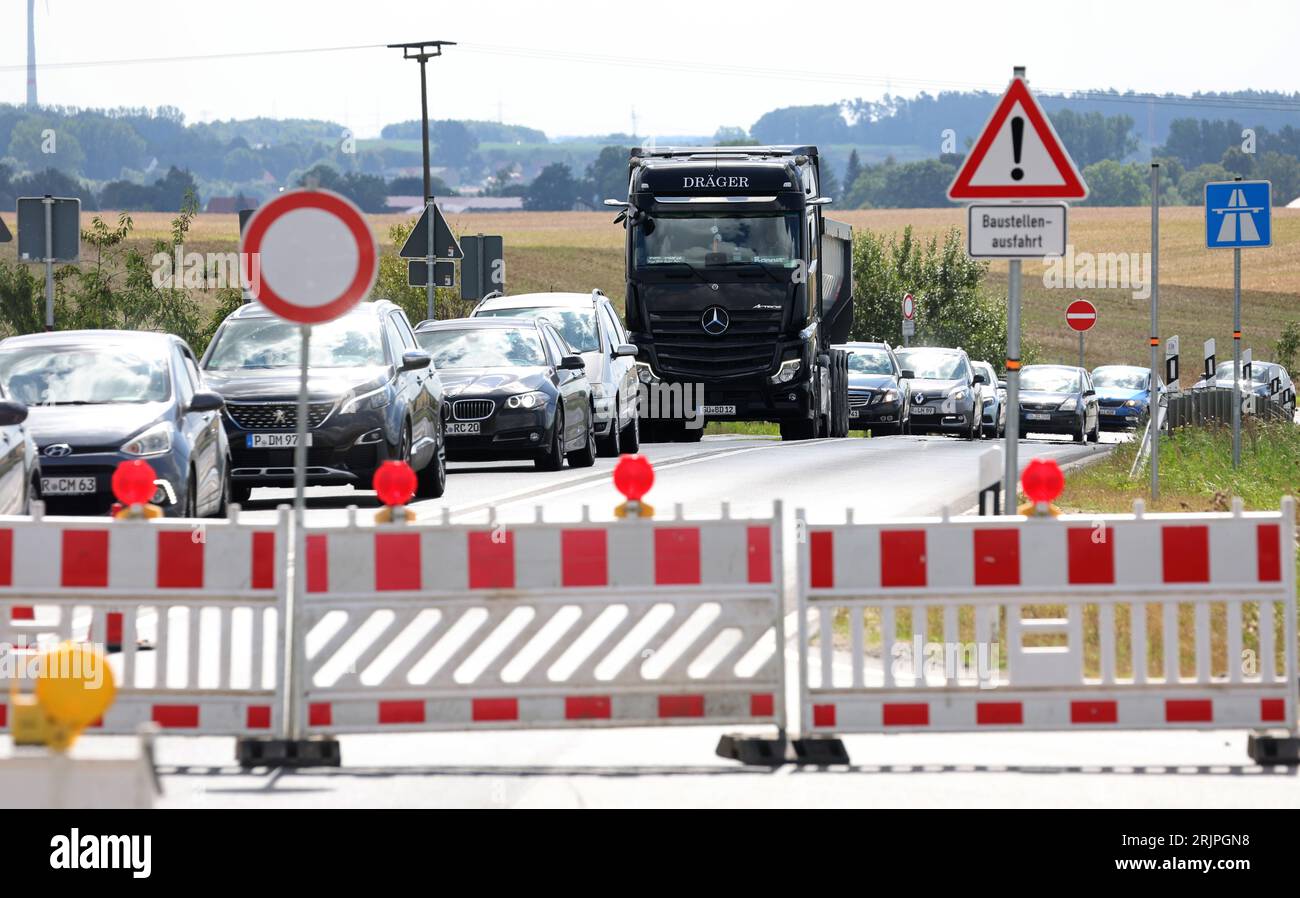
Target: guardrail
x=1089, y=613
x=1200, y=408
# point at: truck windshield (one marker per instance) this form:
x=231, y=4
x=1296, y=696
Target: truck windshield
x=706, y=240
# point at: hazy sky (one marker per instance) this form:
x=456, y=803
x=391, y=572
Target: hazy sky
x=582, y=67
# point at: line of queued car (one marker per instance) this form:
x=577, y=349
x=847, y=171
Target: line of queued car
x=546, y=378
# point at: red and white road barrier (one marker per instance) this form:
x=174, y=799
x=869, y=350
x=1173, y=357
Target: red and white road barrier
x=189, y=611
x=629, y=623
x=976, y=623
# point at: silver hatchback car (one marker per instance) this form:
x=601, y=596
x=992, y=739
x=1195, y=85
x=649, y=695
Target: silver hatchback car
x=589, y=324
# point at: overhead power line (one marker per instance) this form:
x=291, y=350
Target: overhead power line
x=842, y=79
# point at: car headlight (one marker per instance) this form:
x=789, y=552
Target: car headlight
x=533, y=399
x=957, y=395
x=1132, y=403
x=786, y=372
x=377, y=398
x=154, y=441
x=1069, y=405
x=887, y=396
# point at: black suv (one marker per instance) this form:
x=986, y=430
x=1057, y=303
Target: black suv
x=373, y=396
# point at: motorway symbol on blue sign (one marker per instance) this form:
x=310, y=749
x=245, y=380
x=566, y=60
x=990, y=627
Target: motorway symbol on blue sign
x=1238, y=214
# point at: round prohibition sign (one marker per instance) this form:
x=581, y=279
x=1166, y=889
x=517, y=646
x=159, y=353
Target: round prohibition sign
x=315, y=253
x=1081, y=315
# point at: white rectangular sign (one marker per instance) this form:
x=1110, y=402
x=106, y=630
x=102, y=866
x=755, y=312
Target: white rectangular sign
x=1015, y=230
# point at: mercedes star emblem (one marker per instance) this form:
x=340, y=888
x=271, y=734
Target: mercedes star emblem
x=715, y=321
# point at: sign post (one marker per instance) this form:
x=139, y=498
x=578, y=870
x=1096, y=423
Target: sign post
x=1017, y=159
x=1210, y=359
x=1238, y=215
x=1153, y=402
x=1081, y=316
x=49, y=230
x=317, y=258
x=909, y=319
x=431, y=239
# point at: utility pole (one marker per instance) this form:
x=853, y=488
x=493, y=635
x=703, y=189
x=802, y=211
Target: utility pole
x=422, y=52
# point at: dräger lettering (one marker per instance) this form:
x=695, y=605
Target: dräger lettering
x=711, y=181
x=88, y=852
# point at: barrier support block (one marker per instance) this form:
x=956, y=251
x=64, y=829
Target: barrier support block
x=820, y=751
x=319, y=751
x=1279, y=750
x=753, y=751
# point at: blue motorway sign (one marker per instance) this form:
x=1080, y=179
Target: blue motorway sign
x=1238, y=214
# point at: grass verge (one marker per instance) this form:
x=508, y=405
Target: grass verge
x=1196, y=472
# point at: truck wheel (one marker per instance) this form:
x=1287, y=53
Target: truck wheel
x=798, y=430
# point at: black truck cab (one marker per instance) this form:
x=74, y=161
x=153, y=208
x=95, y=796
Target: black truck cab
x=737, y=285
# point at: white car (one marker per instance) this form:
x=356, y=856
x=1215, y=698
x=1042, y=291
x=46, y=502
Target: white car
x=589, y=324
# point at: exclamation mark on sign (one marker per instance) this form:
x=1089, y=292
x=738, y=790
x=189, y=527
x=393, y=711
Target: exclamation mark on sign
x=1017, y=141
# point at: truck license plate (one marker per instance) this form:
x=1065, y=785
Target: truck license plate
x=273, y=440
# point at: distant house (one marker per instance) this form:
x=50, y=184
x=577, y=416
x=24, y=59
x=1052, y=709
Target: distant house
x=457, y=204
x=413, y=205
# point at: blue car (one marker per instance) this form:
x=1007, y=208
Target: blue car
x=1123, y=394
x=97, y=398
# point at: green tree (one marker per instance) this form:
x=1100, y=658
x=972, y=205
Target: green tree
x=1191, y=186
x=40, y=143
x=553, y=190
x=1093, y=137
x=953, y=309
x=1284, y=171
x=1112, y=183
x=1235, y=162
x=607, y=174
x=1287, y=346
x=852, y=171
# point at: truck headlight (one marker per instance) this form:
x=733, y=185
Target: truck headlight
x=786, y=372
x=534, y=399
x=364, y=401
x=1069, y=405
x=154, y=441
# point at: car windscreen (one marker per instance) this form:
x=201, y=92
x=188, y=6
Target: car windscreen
x=870, y=361
x=931, y=365
x=576, y=326
x=1120, y=378
x=83, y=375
x=353, y=341
x=488, y=347
x=705, y=240
x=1050, y=380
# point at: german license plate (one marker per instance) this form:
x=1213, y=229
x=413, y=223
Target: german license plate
x=67, y=486
x=273, y=440
x=719, y=410
x=463, y=427
x=1038, y=416
x=1109, y=411
x=923, y=410
x=855, y=413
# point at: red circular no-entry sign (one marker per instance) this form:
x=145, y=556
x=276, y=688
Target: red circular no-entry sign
x=309, y=256
x=1081, y=315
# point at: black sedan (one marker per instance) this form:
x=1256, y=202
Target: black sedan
x=878, y=397
x=99, y=398
x=517, y=391
x=1059, y=399
x=372, y=396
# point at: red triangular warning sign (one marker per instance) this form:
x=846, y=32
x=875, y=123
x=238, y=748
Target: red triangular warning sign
x=1018, y=156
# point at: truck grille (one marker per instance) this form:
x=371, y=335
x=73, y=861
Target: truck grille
x=472, y=409
x=275, y=415
x=682, y=348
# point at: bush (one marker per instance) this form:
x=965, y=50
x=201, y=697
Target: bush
x=952, y=307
